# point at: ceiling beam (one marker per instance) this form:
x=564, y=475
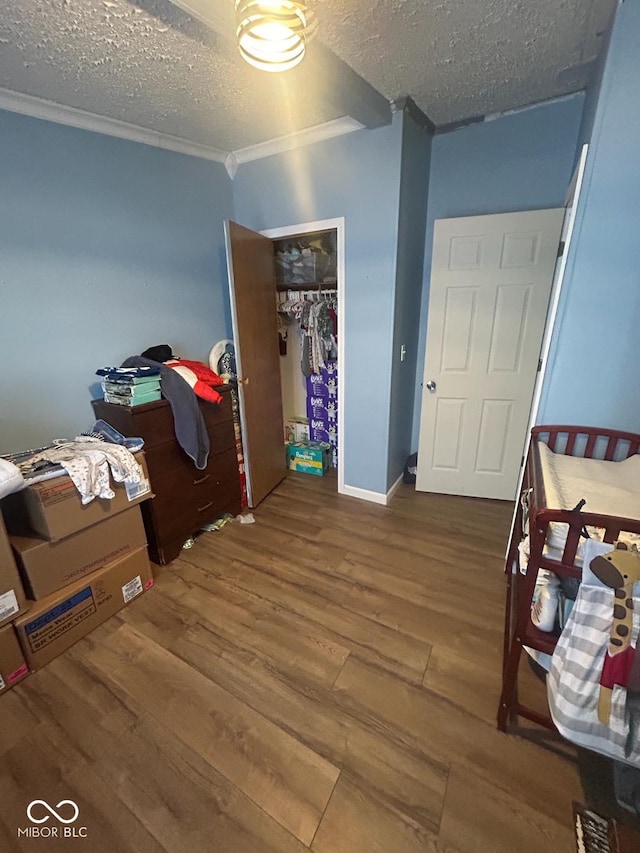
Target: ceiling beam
x=219, y=16
x=348, y=92
x=321, y=73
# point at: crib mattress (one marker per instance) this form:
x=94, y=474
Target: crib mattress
x=609, y=488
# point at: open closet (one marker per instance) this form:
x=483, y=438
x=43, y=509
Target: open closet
x=287, y=321
x=307, y=314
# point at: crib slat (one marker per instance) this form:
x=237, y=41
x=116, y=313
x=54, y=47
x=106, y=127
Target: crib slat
x=571, y=443
x=552, y=440
x=591, y=443
x=611, y=448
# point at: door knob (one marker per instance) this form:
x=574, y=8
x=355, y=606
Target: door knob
x=431, y=386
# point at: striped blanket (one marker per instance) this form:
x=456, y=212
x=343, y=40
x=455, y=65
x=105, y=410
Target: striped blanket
x=573, y=683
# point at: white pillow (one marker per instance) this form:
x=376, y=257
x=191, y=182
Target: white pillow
x=11, y=480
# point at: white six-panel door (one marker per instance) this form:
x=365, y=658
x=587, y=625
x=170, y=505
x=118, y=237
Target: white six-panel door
x=490, y=283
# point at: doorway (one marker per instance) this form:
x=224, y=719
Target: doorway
x=293, y=399
x=252, y=284
x=491, y=279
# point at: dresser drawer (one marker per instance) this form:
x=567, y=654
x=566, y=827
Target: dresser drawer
x=154, y=421
x=185, y=500
x=169, y=457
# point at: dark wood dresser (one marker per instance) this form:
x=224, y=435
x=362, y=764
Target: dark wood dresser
x=185, y=498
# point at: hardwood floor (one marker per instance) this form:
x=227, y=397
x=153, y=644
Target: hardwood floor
x=325, y=679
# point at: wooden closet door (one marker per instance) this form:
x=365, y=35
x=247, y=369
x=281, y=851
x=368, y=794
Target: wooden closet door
x=255, y=332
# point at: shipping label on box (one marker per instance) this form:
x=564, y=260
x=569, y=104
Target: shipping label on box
x=8, y=605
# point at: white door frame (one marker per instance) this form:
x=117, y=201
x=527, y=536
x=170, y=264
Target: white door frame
x=339, y=227
x=571, y=202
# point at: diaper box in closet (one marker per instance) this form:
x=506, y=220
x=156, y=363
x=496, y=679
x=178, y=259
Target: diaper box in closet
x=312, y=457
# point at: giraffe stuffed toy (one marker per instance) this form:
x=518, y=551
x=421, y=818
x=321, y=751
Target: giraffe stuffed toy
x=619, y=569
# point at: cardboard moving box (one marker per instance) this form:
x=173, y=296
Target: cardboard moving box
x=13, y=667
x=12, y=598
x=53, y=509
x=58, y=621
x=48, y=566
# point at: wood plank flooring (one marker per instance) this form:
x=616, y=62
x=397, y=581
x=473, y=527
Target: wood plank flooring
x=326, y=679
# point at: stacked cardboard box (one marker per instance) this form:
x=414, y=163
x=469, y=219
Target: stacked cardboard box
x=12, y=603
x=322, y=406
x=79, y=564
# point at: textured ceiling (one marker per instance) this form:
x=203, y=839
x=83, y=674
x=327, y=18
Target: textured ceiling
x=151, y=64
x=463, y=58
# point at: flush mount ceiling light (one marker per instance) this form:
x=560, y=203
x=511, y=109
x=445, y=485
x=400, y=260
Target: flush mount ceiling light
x=272, y=34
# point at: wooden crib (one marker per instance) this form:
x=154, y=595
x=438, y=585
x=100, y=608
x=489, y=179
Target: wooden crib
x=519, y=631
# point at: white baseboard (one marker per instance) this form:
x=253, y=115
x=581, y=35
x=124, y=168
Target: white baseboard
x=365, y=495
x=394, y=488
x=372, y=497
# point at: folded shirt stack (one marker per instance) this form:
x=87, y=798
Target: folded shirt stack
x=130, y=386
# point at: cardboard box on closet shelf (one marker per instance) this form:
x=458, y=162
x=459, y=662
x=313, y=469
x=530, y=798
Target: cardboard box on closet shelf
x=53, y=509
x=49, y=566
x=56, y=622
x=13, y=667
x=12, y=597
x=296, y=429
x=309, y=457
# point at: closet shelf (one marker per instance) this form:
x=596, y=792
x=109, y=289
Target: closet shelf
x=308, y=285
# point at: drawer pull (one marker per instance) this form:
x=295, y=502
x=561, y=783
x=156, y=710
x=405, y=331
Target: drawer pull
x=201, y=480
x=206, y=506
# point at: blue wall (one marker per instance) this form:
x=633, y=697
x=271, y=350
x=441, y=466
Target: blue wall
x=106, y=247
x=522, y=161
x=416, y=153
x=356, y=176
x=593, y=368
x=592, y=95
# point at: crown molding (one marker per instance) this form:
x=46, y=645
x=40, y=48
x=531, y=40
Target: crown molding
x=318, y=133
x=17, y=102
x=29, y=105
